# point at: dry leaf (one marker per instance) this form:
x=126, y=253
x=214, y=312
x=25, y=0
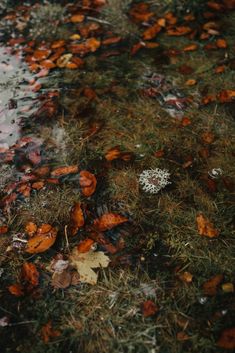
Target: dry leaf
x=208, y=137
x=149, y=308
x=191, y=82
x=227, y=339
x=43, y=240
x=221, y=43
x=3, y=229
x=87, y=182
x=108, y=221
x=61, y=279
x=77, y=18
x=85, y=262
x=226, y=96
x=30, y=274
x=115, y=153
x=182, y=336
x=63, y=60
x=85, y=245
x=179, y=31
x=210, y=286
x=186, y=277
x=31, y=228
x=151, y=32
x=190, y=47
x=228, y=287
x=205, y=227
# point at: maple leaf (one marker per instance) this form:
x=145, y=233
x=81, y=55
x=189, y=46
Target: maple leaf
x=85, y=262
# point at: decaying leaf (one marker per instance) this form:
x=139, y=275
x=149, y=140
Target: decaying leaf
x=87, y=182
x=210, y=287
x=85, y=262
x=43, y=239
x=108, y=221
x=149, y=308
x=205, y=227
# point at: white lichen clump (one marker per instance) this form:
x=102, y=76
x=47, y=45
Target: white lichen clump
x=153, y=180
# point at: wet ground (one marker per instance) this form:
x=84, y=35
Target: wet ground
x=116, y=181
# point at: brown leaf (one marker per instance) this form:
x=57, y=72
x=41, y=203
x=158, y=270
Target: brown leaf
x=61, y=279
x=87, y=182
x=76, y=218
x=115, y=153
x=64, y=60
x=41, y=54
x=92, y=44
x=43, y=240
x=109, y=221
x=210, y=286
x=186, y=277
x=3, y=229
x=179, y=31
x=151, y=32
x=182, y=336
x=61, y=171
x=208, y=137
x=227, y=339
x=47, y=332
x=58, y=44
x=205, y=227
x=30, y=274
x=191, y=47
x=226, y=96
x=221, y=43
x=149, y=308
x=31, y=228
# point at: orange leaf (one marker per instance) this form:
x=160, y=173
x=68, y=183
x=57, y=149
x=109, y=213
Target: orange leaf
x=3, y=229
x=208, y=99
x=205, y=227
x=42, y=171
x=76, y=218
x=31, y=228
x=77, y=18
x=41, y=54
x=87, y=182
x=85, y=245
x=186, y=121
x=221, y=43
x=210, y=286
x=38, y=185
x=151, y=32
x=30, y=274
x=115, y=153
x=149, y=308
x=109, y=221
x=43, y=240
x=226, y=96
x=208, y=137
x=182, y=336
x=190, y=82
x=47, y=64
x=179, y=31
x=58, y=44
x=16, y=289
x=227, y=339
x=186, y=277
x=92, y=44
x=61, y=171
x=190, y=47
x=47, y=332
x=112, y=40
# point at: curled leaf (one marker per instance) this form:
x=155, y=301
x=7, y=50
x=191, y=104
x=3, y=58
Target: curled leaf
x=43, y=240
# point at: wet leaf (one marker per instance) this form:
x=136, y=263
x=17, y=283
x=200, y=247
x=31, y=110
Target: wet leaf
x=108, y=221
x=86, y=262
x=30, y=274
x=43, y=240
x=205, y=227
x=47, y=332
x=149, y=308
x=210, y=287
x=87, y=182
x=227, y=339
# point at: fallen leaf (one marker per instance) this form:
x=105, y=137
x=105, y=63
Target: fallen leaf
x=227, y=339
x=92, y=44
x=151, y=32
x=191, y=82
x=85, y=262
x=186, y=121
x=41, y=54
x=3, y=229
x=205, y=227
x=76, y=218
x=228, y=287
x=43, y=240
x=77, y=18
x=87, y=182
x=115, y=153
x=30, y=274
x=108, y=221
x=186, y=277
x=85, y=245
x=226, y=96
x=63, y=60
x=221, y=43
x=182, y=336
x=61, y=171
x=16, y=289
x=47, y=332
x=190, y=47
x=149, y=308
x=210, y=287
x=220, y=69
x=208, y=137
x=179, y=31
x=61, y=279
x=31, y=228
x=58, y=44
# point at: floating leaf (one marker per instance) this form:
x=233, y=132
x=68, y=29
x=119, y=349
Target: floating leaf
x=85, y=262
x=205, y=227
x=108, y=221
x=87, y=182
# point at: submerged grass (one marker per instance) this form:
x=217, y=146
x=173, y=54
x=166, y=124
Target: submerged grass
x=108, y=317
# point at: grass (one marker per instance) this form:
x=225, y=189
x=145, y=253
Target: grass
x=162, y=241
